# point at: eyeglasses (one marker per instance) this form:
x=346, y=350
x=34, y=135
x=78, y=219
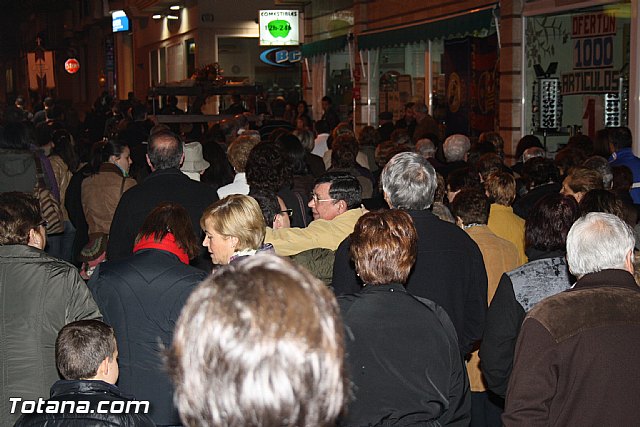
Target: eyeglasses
x=289, y=212
x=316, y=199
x=43, y=223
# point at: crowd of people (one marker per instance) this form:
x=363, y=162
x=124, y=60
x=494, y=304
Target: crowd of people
x=288, y=272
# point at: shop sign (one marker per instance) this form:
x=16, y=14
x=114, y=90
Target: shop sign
x=71, y=65
x=279, y=28
x=281, y=57
x=592, y=39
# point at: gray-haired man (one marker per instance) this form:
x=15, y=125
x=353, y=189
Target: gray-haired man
x=577, y=358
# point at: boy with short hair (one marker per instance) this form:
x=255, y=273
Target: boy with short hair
x=87, y=359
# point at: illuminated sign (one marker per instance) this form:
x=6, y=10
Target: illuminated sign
x=119, y=21
x=281, y=57
x=71, y=65
x=279, y=28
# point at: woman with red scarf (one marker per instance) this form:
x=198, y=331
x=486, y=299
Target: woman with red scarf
x=141, y=298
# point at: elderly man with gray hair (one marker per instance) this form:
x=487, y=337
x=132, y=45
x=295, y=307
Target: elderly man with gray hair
x=577, y=357
x=455, y=151
x=449, y=269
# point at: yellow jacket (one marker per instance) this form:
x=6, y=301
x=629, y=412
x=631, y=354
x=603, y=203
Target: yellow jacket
x=506, y=224
x=319, y=234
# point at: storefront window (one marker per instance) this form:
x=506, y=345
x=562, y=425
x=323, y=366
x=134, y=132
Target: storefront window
x=240, y=60
x=402, y=77
x=577, y=72
x=339, y=83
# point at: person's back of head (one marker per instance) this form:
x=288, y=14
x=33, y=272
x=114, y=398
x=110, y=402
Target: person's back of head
x=344, y=152
x=488, y=164
x=620, y=137
x=87, y=350
x=260, y=342
x=581, y=180
x=278, y=107
x=539, y=171
x=170, y=221
x=456, y=147
x=600, y=200
x=268, y=167
x=165, y=150
x=548, y=224
x=15, y=136
x=269, y=205
x=599, y=241
x=567, y=159
x=603, y=167
x=306, y=138
x=384, y=247
x=239, y=150
x=420, y=108
x=425, y=148
x=493, y=138
x=295, y=151
x=525, y=142
x=19, y=215
x=460, y=178
x=533, y=152
x=342, y=186
x=470, y=206
x=501, y=188
x=409, y=182
x=322, y=126
x=369, y=136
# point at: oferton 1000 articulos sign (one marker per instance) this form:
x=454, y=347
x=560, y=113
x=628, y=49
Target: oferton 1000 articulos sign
x=279, y=28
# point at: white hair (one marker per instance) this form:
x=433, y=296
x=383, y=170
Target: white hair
x=425, y=148
x=409, y=181
x=455, y=147
x=598, y=241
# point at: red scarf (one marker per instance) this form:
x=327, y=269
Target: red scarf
x=167, y=244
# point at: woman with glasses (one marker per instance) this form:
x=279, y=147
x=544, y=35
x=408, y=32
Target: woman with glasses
x=40, y=294
x=234, y=228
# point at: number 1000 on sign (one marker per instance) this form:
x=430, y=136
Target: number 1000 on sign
x=596, y=52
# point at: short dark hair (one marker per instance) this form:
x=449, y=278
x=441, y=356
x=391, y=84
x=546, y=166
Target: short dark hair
x=19, y=213
x=549, y=222
x=471, y=205
x=268, y=167
x=463, y=177
x=268, y=201
x=600, y=200
x=540, y=170
x=165, y=150
x=278, y=107
x=582, y=179
x=343, y=186
x=488, y=164
x=384, y=246
x=322, y=126
x=620, y=137
x=81, y=347
x=102, y=150
x=170, y=218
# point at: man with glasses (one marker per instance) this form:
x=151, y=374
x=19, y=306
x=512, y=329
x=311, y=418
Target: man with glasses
x=335, y=203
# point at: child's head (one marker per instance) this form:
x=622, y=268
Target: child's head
x=87, y=350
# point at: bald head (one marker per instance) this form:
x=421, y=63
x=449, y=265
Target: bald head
x=165, y=151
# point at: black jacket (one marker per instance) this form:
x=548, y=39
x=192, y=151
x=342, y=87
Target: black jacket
x=141, y=298
x=167, y=185
x=92, y=392
x=525, y=204
x=518, y=291
x=449, y=270
x=403, y=358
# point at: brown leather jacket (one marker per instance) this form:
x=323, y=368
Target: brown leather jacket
x=100, y=196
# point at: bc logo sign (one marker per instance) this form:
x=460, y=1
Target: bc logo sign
x=281, y=57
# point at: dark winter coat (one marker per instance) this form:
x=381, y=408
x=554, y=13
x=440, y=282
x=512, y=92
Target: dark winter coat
x=141, y=298
x=449, y=270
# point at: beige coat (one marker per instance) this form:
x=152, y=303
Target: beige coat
x=100, y=196
x=499, y=256
x=63, y=177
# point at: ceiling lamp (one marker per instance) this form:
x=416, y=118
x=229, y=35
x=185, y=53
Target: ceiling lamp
x=175, y=7
x=157, y=16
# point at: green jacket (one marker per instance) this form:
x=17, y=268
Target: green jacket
x=39, y=295
x=318, y=261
